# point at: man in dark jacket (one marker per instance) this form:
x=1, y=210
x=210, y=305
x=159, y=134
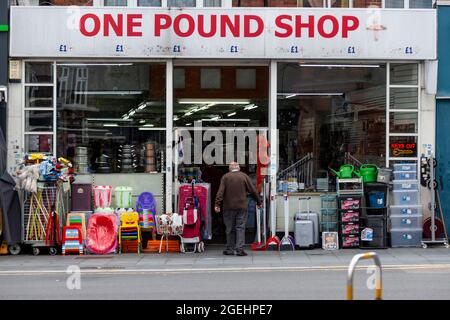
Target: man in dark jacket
x=232, y=194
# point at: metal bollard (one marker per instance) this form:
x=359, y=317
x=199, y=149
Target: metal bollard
x=351, y=269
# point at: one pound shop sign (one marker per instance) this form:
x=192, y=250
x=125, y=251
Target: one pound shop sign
x=185, y=25
x=250, y=33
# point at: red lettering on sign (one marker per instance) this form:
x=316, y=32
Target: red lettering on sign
x=133, y=23
x=201, y=26
x=299, y=25
x=247, y=26
x=177, y=23
x=159, y=25
x=284, y=26
x=347, y=27
x=95, y=20
x=109, y=22
x=321, y=26
x=233, y=26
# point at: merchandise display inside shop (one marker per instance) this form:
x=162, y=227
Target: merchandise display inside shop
x=111, y=117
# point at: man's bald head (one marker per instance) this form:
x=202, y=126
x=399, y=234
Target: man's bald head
x=234, y=166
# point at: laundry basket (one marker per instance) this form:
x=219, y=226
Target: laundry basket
x=102, y=196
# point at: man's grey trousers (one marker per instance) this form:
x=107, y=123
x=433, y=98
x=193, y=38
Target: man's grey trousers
x=235, y=223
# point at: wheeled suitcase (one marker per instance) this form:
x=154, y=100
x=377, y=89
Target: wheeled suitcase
x=309, y=215
x=304, y=233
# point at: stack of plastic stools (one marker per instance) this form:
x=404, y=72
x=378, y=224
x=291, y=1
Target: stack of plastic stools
x=129, y=233
x=406, y=212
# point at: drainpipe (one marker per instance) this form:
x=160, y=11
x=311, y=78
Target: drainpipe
x=4, y=49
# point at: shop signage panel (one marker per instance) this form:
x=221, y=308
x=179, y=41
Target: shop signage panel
x=403, y=149
x=287, y=33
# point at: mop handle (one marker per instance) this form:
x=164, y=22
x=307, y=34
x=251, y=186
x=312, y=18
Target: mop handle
x=258, y=224
x=264, y=210
x=286, y=214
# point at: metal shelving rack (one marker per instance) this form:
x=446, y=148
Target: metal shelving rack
x=329, y=220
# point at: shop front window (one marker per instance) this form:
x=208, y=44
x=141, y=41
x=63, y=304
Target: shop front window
x=413, y=4
x=367, y=4
x=403, y=111
x=339, y=3
x=395, y=3
x=115, y=3
x=39, y=107
x=329, y=115
x=149, y=3
x=219, y=115
x=216, y=97
x=113, y=112
x=181, y=3
x=212, y=3
x=311, y=3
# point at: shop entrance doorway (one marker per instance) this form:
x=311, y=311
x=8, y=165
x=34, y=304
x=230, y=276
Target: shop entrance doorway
x=219, y=113
x=203, y=155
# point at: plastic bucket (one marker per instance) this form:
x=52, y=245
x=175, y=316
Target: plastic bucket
x=377, y=199
x=102, y=196
x=123, y=197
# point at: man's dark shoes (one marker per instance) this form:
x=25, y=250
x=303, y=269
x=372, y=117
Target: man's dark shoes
x=228, y=252
x=241, y=253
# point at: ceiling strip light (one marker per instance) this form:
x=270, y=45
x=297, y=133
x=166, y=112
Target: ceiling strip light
x=109, y=92
x=108, y=119
x=340, y=65
x=213, y=101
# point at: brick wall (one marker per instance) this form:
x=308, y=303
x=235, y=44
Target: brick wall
x=228, y=84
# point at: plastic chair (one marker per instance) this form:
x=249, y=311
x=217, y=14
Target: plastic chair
x=77, y=219
x=129, y=230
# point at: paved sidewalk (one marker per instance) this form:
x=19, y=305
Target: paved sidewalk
x=214, y=259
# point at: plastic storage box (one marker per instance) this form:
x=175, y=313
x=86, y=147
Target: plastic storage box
x=403, y=222
x=405, y=175
x=405, y=167
x=406, y=238
x=406, y=197
x=406, y=185
x=406, y=210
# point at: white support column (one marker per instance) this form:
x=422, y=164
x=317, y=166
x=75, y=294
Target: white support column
x=273, y=136
x=169, y=135
x=388, y=104
x=55, y=140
